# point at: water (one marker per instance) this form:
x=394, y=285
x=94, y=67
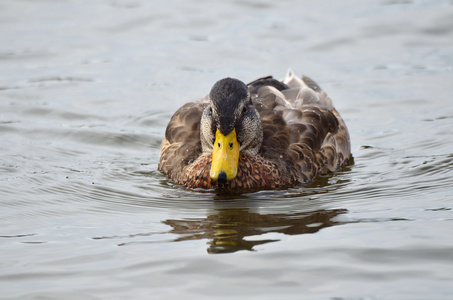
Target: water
x=86, y=90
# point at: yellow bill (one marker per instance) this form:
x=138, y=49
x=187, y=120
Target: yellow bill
x=225, y=156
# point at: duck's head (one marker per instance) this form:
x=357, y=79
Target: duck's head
x=230, y=125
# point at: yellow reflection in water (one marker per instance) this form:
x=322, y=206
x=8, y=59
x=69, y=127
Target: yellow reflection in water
x=227, y=229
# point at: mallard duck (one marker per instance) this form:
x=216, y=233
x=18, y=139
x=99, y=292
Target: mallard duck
x=267, y=134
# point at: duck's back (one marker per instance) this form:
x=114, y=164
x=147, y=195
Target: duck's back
x=303, y=133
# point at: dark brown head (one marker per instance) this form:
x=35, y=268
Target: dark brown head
x=229, y=125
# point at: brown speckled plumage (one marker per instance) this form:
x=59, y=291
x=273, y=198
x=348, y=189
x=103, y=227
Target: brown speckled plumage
x=303, y=137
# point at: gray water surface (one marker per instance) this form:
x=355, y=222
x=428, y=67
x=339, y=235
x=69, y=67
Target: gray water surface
x=86, y=91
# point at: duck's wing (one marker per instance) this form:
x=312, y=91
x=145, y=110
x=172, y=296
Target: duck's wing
x=181, y=145
x=335, y=148
x=301, y=129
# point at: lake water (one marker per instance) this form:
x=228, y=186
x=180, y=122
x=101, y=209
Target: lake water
x=86, y=91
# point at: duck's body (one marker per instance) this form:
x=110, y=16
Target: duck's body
x=268, y=134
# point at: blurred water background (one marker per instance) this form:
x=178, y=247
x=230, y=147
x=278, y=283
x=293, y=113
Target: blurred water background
x=86, y=91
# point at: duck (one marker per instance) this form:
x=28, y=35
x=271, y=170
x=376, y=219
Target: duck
x=267, y=134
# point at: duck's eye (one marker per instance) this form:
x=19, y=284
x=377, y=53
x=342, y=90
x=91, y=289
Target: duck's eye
x=218, y=145
x=244, y=110
x=231, y=145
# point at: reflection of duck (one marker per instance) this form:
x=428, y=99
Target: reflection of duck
x=267, y=134
x=229, y=228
